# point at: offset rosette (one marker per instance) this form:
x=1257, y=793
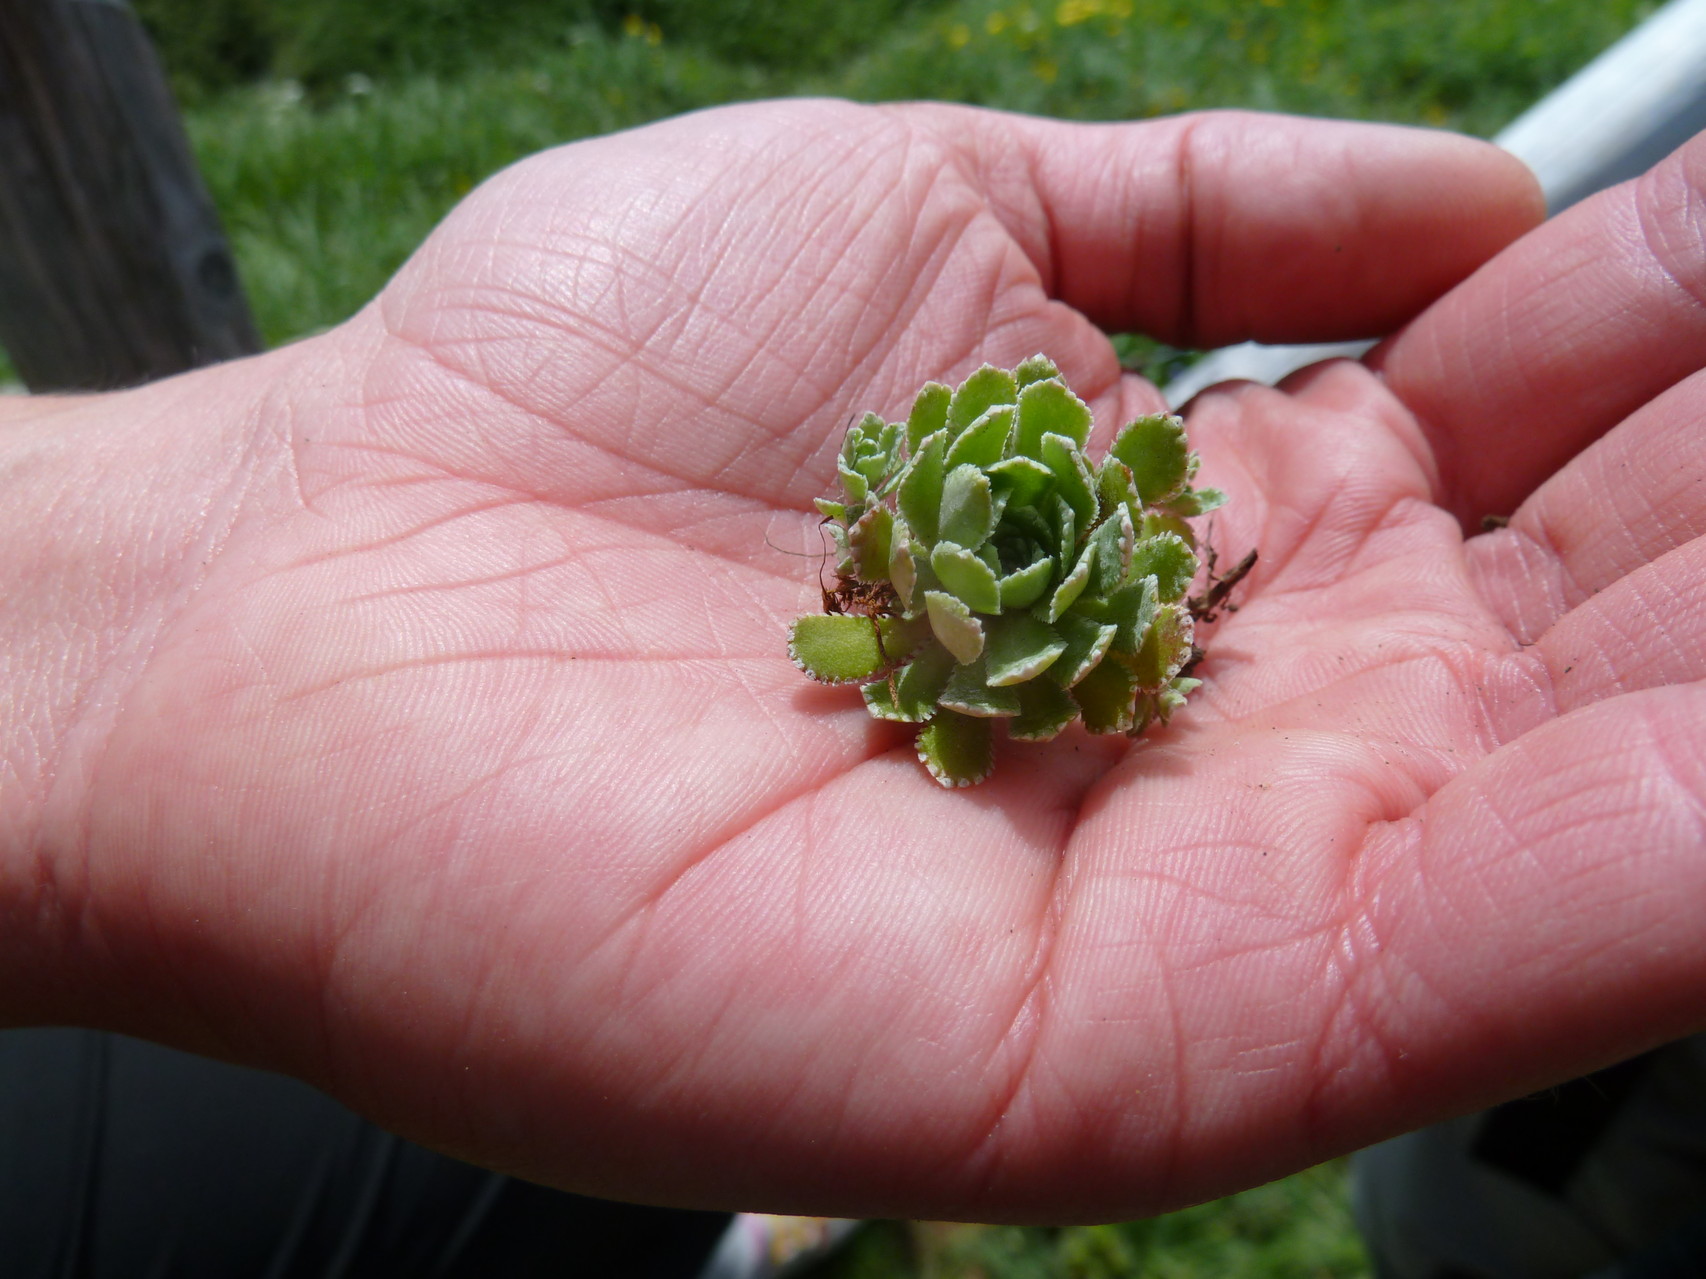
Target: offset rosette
x=987, y=571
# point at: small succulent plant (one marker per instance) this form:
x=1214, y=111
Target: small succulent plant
x=987, y=571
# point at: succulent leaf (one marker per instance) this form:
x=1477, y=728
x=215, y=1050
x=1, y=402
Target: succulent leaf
x=853, y=484
x=1035, y=369
x=1158, y=522
x=989, y=571
x=1166, y=647
x=1114, y=486
x=1025, y=586
x=1067, y=593
x=921, y=487
x=1019, y=648
x=836, y=648
x=922, y=680
x=1048, y=408
x=980, y=392
x=870, y=544
x=1087, y=643
x=961, y=633
x=1071, y=477
x=1023, y=479
x=903, y=569
x=1113, y=554
x=1129, y=610
x=981, y=443
x=1169, y=561
x=1105, y=698
x=1153, y=448
x=929, y=415
x=968, y=508
x=969, y=692
x=1045, y=709
x=967, y=576
x=957, y=749
x=1194, y=502
x=879, y=698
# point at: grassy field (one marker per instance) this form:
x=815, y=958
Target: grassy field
x=334, y=135
x=336, y=159
x=1299, y=1228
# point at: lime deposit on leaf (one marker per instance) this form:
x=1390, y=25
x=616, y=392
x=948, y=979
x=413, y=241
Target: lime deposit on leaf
x=988, y=571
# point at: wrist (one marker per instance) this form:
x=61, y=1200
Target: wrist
x=115, y=505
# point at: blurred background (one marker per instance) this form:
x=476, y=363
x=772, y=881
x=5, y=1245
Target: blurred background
x=333, y=136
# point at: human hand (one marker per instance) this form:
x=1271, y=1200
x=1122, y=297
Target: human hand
x=446, y=752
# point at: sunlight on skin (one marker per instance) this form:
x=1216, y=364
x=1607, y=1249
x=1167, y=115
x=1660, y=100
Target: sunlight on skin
x=408, y=708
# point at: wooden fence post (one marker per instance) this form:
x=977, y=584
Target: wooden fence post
x=113, y=266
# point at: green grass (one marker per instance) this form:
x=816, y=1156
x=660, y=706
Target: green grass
x=324, y=198
x=328, y=180
x=1298, y=1228
x=333, y=135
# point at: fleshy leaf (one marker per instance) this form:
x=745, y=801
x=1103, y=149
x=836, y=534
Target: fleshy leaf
x=1086, y=645
x=903, y=569
x=1019, y=648
x=1045, y=708
x=969, y=693
x=869, y=543
x=1024, y=587
x=830, y=510
x=1071, y=476
x=843, y=556
x=1169, y=560
x=910, y=696
x=921, y=487
x=929, y=415
x=968, y=509
x=1105, y=698
x=1156, y=522
x=1160, y=706
x=1173, y=696
x=872, y=449
x=967, y=576
x=837, y=648
x=1155, y=451
x=1035, y=369
x=902, y=636
x=957, y=749
x=921, y=681
x=879, y=702
x=1073, y=584
x=981, y=391
x=1113, y=540
x=1166, y=647
x=961, y=633
x=1048, y=408
x=1195, y=502
x=853, y=484
x=1114, y=487
x=1022, y=478
x=926, y=580
x=980, y=444
x=1130, y=609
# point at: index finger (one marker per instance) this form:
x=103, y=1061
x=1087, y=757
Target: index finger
x=1559, y=338
x=1225, y=226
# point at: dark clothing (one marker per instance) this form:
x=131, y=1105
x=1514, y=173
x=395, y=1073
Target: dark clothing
x=124, y=1160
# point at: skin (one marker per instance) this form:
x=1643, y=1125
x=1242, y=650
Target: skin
x=407, y=709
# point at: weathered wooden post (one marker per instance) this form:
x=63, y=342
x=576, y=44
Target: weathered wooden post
x=113, y=266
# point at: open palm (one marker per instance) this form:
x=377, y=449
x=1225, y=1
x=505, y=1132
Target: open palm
x=470, y=779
